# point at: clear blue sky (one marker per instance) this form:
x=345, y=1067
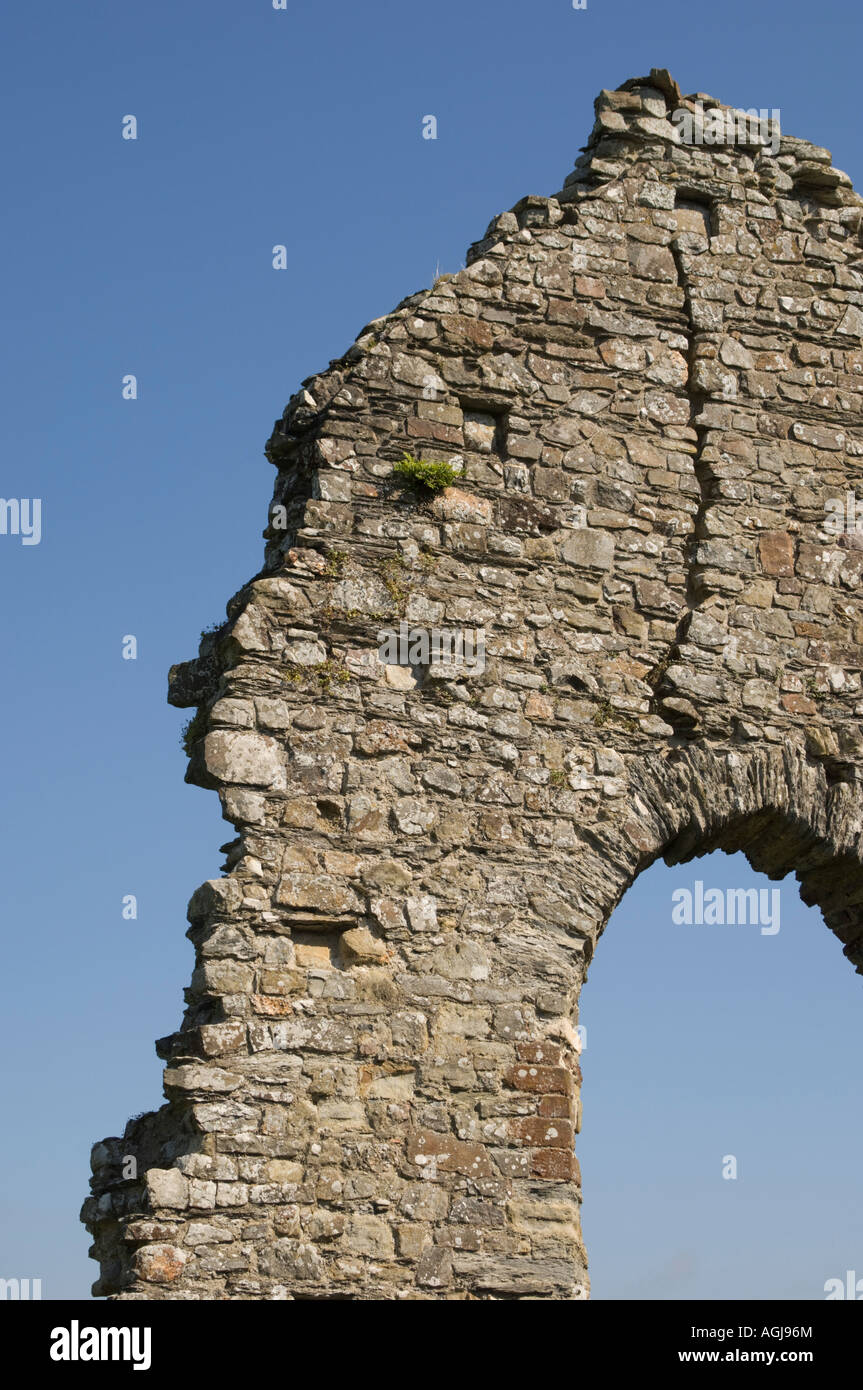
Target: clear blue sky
x=153, y=257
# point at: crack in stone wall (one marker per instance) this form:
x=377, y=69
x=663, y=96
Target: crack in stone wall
x=679, y=718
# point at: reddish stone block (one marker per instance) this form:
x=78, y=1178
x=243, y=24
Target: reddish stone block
x=552, y=1133
x=159, y=1264
x=553, y=1163
x=776, y=552
x=538, y=706
x=566, y=311
x=587, y=285
x=429, y=429
x=799, y=704
x=271, y=1006
x=542, y=1080
x=559, y=1107
x=429, y=1149
x=460, y=326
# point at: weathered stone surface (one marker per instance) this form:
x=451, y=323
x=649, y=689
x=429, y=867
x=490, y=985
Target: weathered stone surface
x=589, y=550
x=167, y=1188
x=360, y=946
x=252, y=759
x=776, y=550
x=159, y=1264
x=649, y=387
x=317, y=892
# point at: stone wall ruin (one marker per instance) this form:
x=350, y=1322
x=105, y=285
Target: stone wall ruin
x=650, y=385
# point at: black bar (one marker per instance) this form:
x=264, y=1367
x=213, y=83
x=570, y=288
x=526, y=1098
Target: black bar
x=260, y=1339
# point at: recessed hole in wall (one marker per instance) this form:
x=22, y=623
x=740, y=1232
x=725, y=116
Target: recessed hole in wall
x=485, y=425
x=317, y=949
x=695, y=213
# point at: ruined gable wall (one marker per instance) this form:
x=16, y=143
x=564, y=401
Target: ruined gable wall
x=650, y=384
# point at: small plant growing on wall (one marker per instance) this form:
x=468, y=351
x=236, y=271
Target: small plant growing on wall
x=193, y=730
x=425, y=475
x=335, y=565
x=393, y=573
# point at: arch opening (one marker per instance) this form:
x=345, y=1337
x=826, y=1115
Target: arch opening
x=720, y=1081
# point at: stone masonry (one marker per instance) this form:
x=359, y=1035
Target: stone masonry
x=649, y=387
